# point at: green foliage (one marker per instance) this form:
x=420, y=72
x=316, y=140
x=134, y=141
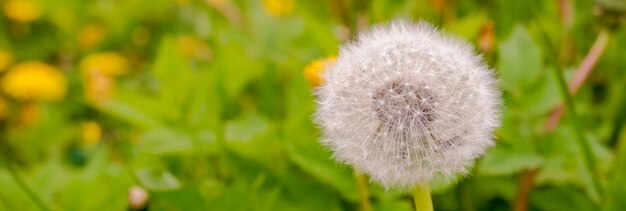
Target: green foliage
x=212, y=111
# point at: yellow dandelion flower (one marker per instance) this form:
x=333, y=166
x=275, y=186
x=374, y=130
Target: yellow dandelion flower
x=193, y=47
x=109, y=63
x=91, y=133
x=279, y=8
x=6, y=58
x=23, y=10
x=34, y=81
x=99, y=87
x=313, y=71
x=91, y=35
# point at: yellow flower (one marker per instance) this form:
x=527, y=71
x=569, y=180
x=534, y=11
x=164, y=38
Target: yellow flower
x=23, y=10
x=91, y=132
x=279, y=7
x=99, y=87
x=313, y=71
x=109, y=63
x=91, y=35
x=193, y=47
x=34, y=81
x=6, y=58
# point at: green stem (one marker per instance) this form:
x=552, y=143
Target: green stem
x=422, y=199
x=20, y=182
x=581, y=140
x=364, y=193
x=588, y=156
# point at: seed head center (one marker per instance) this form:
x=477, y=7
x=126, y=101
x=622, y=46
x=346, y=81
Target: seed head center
x=403, y=104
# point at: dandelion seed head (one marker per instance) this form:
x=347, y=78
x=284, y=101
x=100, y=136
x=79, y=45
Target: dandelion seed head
x=406, y=104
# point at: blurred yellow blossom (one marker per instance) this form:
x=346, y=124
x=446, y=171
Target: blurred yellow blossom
x=193, y=47
x=22, y=10
x=6, y=58
x=279, y=7
x=91, y=35
x=313, y=71
x=108, y=63
x=91, y=133
x=98, y=70
x=34, y=81
x=98, y=86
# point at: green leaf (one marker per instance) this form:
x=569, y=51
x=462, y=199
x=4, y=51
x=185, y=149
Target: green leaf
x=520, y=60
x=114, y=198
x=313, y=159
x=174, y=74
x=301, y=193
x=557, y=170
x=616, y=187
x=397, y=205
x=161, y=141
x=127, y=113
x=304, y=151
x=505, y=161
x=148, y=105
x=204, y=106
x=236, y=67
x=245, y=127
x=542, y=97
x=186, y=198
x=12, y=197
x=468, y=27
x=157, y=179
x=561, y=198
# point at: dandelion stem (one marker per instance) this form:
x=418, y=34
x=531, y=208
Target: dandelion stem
x=364, y=192
x=422, y=199
x=583, y=143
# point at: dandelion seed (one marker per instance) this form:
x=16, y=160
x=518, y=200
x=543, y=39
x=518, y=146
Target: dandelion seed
x=433, y=105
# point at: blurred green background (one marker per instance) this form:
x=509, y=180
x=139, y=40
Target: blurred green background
x=203, y=105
